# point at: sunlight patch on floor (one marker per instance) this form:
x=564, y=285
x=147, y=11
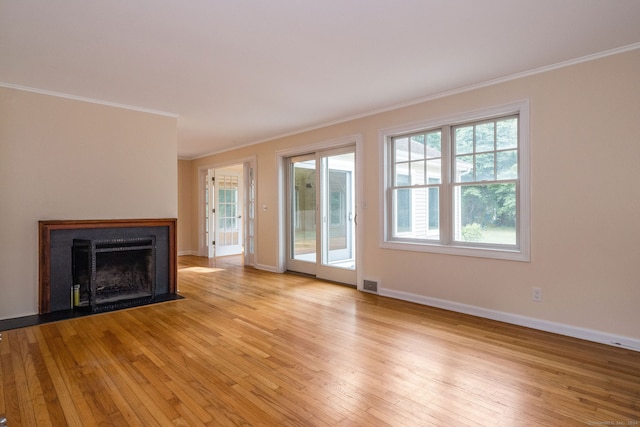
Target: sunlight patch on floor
x=201, y=269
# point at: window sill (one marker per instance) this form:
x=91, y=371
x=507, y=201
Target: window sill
x=493, y=253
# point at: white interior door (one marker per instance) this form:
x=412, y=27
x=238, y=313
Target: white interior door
x=250, y=213
x=321, y=221
x=206, y=241
x=227, y=214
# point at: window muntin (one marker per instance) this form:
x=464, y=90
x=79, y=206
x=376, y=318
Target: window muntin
x=479, y=203
x=486, y=151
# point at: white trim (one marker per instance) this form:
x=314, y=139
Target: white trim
x=516, y=319
x=247, y=184
x=202, y=173
x=523, y=253
x=511, y=77
x=319, y=146
x=435, y=96
x=282, y=155
x=465, y=116
x=269, y=268
x=200, y=202
x=90, y=100
x=188, y=252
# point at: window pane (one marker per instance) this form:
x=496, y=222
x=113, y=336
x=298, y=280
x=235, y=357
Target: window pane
x=507, y=164
x=434, y=171
x=434, y=144
x=485, y=213
x=464, y=169
x=484, y=167
x=417, y=147
x=402, y=174
x=417, y=213
x=434, y=209
x=464, y=140
x=417, y=173
x=401, y=149
x=484, y=137
x=402, y=207
x=507, y=133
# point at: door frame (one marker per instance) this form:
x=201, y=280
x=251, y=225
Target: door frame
x=202, y=174
x=360, y=203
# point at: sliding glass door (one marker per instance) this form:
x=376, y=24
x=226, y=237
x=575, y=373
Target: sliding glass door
x=321, y=220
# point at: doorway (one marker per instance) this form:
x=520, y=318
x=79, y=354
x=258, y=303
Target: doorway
x=321, y=219
x=229, y=224
x=226, y=218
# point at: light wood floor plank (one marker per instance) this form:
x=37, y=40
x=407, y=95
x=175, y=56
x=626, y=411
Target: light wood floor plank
x=247, y=347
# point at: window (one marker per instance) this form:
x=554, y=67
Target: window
x=459, y=185
x=417, y=177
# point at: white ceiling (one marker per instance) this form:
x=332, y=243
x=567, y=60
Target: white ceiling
x=236, y=72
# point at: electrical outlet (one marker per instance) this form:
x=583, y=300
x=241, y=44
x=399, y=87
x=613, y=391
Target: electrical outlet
x=536, y=294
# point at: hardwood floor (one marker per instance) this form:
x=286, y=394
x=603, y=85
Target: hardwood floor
x=247, y=347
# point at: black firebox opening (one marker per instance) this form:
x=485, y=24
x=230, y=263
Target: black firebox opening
x=112, y=274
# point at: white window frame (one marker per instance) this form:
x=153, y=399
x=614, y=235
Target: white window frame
x=446, y=244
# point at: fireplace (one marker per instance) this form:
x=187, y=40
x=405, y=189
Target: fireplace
x=102, y=265
x=112, y=274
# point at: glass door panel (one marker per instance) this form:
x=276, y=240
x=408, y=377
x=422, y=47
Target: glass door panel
x=339, y=211
x=338, y=261
x=206, y=246
x=228, y=217
x=321, y=189
x=250, y=214
x=303, y=225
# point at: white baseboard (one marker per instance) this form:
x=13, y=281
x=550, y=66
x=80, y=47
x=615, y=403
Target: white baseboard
x=269, y=268
x=516, y=319
x=264, y=267
x=183, y=253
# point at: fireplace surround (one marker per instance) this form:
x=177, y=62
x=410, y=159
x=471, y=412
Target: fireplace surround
x=137, y=255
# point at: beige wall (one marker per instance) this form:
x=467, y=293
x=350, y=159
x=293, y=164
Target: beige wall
x=68, y=159
x=585, y=156
x=186, y=219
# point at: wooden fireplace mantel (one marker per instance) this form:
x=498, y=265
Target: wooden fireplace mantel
x=44, y=250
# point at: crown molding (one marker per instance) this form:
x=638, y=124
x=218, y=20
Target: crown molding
x=90, y=100
x=432, y=97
